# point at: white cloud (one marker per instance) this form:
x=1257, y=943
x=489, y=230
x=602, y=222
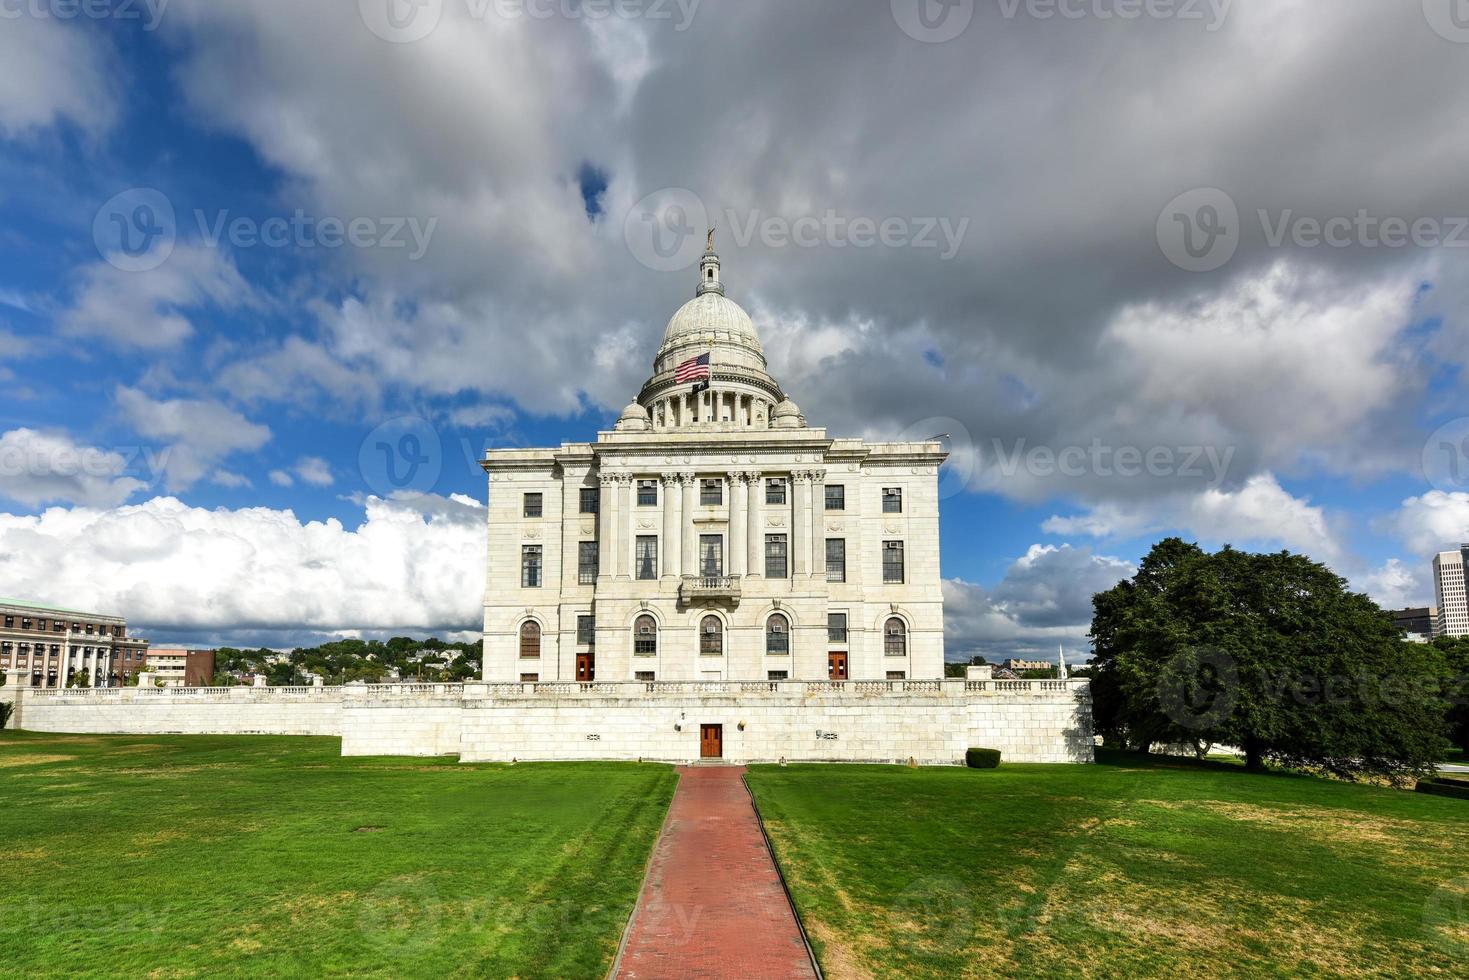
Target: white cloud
x=282, y=479
x=201, y=433
x=151, y=310
x=411, y=564
x=1261, y=513
x=315, y=471
x=226, y=478
x=1437, y=521
x=54, y=71
x=1044, y=600
x=1397, y=585
x=38, y=468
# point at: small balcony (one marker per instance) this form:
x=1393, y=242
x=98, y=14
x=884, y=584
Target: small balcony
x=703, y=588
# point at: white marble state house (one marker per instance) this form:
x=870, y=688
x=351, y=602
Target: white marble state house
x=713, y=579
x=714, y=535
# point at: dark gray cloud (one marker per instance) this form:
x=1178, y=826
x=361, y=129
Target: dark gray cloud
x=1059, y=323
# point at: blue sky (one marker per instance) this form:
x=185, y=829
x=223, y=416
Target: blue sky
x=182, y=439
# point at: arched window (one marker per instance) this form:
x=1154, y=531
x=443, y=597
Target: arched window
x=645, y=637
x=777, y=636
x=895, y=638
x=711, y=637
x=530, y=640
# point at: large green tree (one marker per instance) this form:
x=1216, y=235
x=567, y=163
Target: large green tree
x=1268, y=652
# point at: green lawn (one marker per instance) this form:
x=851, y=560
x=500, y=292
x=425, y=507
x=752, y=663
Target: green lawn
x=231, y=856
x=1119, y=870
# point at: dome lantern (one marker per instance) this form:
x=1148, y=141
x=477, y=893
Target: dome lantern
x=709, y=281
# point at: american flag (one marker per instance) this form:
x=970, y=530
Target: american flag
x=695, y=369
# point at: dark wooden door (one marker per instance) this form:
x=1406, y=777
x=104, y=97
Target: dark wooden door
x=836, y=665
x=711, y=741
x=586, y=667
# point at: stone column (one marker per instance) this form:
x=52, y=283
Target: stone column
x=755, y=531
x=801, y=519
x=628, y=508
x=690, y=561
x=17, y=682
x=65, y=661
x=606, y=528
x=739, y=503
x=672, y=546
x=818, y=524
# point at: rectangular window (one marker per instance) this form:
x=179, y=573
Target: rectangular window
x=647, y=493
x=591, y=501
x=9, y=621
x=644, y=675
x=586, y=631
x=534, y=504
x=836, y=497
x=836, y=627
x=836, y=559
x=892, y=562
x=586, y=563
x=711, y=493
x=530, y=678
x=647, y=557
x=711, y=555
x=775, y=556
x=777, y=675
x=892, y=500
x=897, y=675
x=530, y=566
x=775, y=492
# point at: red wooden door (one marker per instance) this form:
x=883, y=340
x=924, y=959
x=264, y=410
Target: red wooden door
x=836, y=664
x=586, y=667
x=711, y=741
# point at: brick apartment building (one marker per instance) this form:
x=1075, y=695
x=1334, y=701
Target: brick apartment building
x=182, y=668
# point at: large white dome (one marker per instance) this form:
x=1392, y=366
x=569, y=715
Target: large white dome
x=711, y=317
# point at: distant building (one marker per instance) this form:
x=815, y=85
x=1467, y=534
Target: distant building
x=182, y=668
x=1019, y=665
x=57, y=645
x=1420, y=621
x=1448, y=583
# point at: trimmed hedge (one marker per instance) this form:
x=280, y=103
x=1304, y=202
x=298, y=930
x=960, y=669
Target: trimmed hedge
x=982, y=758
x=1458, y=792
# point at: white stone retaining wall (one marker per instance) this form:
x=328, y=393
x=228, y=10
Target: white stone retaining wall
x=184, y=711
x=932, y=722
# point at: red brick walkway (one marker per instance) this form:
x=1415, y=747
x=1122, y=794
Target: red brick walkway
x=712, y=905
